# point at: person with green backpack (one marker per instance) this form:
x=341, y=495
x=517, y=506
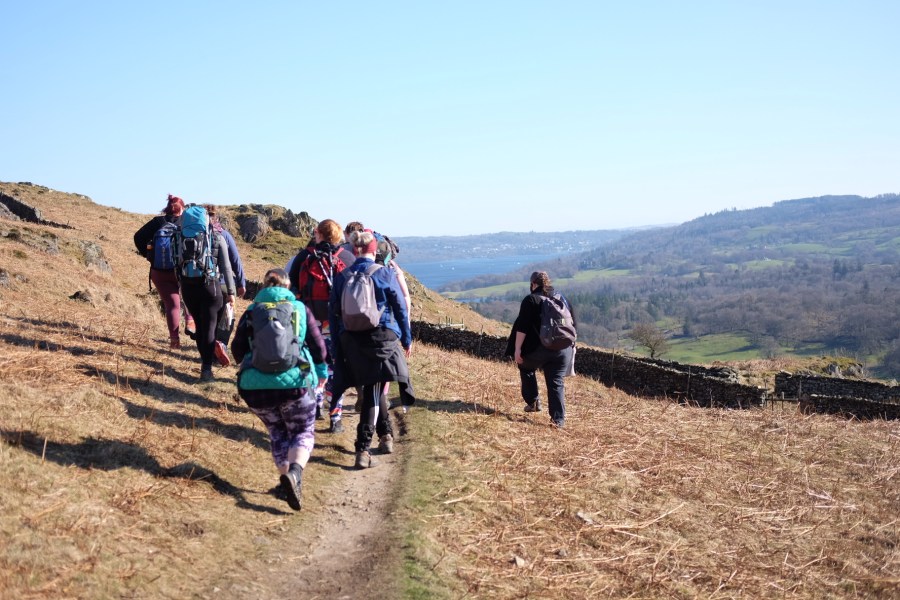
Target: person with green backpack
x=282, y=356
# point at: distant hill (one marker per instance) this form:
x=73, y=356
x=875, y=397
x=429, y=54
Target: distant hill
x=814, y=275
x=504, y=243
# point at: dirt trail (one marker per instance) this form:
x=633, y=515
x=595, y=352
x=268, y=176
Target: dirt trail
x=341, y=555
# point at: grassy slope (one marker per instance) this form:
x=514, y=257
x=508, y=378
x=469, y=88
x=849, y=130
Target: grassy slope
x=119, y=476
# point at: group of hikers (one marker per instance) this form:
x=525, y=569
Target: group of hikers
x=336, y=317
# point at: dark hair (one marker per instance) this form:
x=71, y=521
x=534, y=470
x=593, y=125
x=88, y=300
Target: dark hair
x=351, y=227
x=276, y=278
x=542, y=280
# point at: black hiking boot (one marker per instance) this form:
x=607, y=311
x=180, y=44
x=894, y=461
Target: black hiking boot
x=292, y=484
x=533, y=407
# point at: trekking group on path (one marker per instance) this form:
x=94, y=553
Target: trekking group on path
x=336, y=317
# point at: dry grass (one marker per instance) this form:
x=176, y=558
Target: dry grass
x=637, y=498
x=121, y=477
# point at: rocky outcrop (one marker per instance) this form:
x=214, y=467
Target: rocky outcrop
x=94, y=257
x=254, y=221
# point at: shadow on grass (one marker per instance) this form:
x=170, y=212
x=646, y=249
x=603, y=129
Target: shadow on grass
x=456, y=406
x=166, y=418
x=159, y=391
x=110, y=455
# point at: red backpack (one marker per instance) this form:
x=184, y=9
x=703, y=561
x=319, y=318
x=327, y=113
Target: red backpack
x=317, y=278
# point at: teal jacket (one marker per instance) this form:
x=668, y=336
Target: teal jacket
x=312, y=349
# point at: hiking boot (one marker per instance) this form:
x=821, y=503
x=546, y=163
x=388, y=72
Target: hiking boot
x=533, y=407
x=292, y=484
x=386, y=444
x=559, y=423
x=175, y=344
x=222, y=354
x=206, y=374
x=364, y=460
x=336, y=426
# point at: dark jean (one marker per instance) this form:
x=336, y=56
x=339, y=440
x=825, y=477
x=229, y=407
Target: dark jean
x=554, y=364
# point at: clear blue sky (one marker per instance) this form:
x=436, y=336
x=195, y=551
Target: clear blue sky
x=432, y=118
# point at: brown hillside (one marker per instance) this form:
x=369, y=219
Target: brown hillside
x=122, y=477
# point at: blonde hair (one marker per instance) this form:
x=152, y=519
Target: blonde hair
x=364, y=242
x=330, y=231
x=276, y=278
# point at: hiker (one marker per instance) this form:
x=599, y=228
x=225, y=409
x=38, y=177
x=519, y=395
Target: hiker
x=162, y=273
x=312, y=275
x=225, y=319
x=530, y=353
x=200, y=287
x=371, y=353
x=385, y=256
x=279, y=394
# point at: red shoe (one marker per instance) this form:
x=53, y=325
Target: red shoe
x=174, y=344
x=222, y=354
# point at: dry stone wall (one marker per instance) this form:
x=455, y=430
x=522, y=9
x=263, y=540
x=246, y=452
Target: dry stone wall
x=640, y=377
x=863, y=399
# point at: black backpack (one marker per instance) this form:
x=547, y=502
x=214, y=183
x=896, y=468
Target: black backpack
x=557, y=325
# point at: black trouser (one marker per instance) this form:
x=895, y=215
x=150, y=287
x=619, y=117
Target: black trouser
x=204, y=300
x=554, y=364
x=374, y=416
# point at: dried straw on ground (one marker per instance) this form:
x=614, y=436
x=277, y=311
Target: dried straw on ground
x=646, y=498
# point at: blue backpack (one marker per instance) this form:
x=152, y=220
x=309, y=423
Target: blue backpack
x=162, y=250
x=195, y=240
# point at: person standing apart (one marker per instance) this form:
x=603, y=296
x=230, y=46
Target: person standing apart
x=372, y=353
x=276, y=375
x=530, y=353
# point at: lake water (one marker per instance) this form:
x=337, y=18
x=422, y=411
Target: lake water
x=435, y=274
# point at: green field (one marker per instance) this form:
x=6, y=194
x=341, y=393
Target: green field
x=521, y=287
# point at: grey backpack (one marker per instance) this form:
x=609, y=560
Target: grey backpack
x=557, y=324
x=275, y=330
x=359, y=310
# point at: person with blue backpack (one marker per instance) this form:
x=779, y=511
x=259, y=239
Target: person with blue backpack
x=543, y=337
x=155, y=241
x=282, y=356
x=371, y=339
x=201, y=260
